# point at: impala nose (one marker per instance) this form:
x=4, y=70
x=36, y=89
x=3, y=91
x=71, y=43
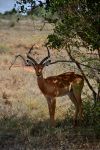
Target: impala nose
x=38, y=74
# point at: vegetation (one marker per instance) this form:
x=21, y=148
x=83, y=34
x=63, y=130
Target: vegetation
x=25, y=132
x=78, y=21
x=11, y=12
x=76, y=26
x=23, y=113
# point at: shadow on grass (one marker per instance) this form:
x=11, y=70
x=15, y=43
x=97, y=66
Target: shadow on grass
x=25, y=133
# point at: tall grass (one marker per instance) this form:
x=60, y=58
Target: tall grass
x=34, y=134
x=24, y=119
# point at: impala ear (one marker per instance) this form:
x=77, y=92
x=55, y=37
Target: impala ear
x=47, y=63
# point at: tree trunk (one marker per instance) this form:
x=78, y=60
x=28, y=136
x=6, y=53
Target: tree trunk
x=98, y=94
x=98, y=52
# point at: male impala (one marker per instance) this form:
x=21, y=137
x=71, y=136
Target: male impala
x=68, y=83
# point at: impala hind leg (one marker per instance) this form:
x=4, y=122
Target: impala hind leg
x=73, y=99
x=77, y=93
x=79, y=101
x=52, y=106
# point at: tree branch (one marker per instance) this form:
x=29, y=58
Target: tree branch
x=79, y=67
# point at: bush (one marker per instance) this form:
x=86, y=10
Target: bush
x=92, y=116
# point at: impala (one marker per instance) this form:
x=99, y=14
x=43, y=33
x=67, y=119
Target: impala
x=68, y=83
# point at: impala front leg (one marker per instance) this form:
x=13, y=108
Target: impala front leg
x=52, y=106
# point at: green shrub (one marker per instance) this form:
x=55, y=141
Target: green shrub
x=92, y=116
x=91, y=120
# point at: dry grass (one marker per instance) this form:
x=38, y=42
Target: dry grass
x=23, y=109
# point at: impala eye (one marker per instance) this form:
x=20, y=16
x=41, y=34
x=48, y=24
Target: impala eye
x=27, y=62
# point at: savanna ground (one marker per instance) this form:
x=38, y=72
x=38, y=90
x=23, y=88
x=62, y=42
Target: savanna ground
x=24, y=119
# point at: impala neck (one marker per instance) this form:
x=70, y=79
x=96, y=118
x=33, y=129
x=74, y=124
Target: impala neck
x=40, y=81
